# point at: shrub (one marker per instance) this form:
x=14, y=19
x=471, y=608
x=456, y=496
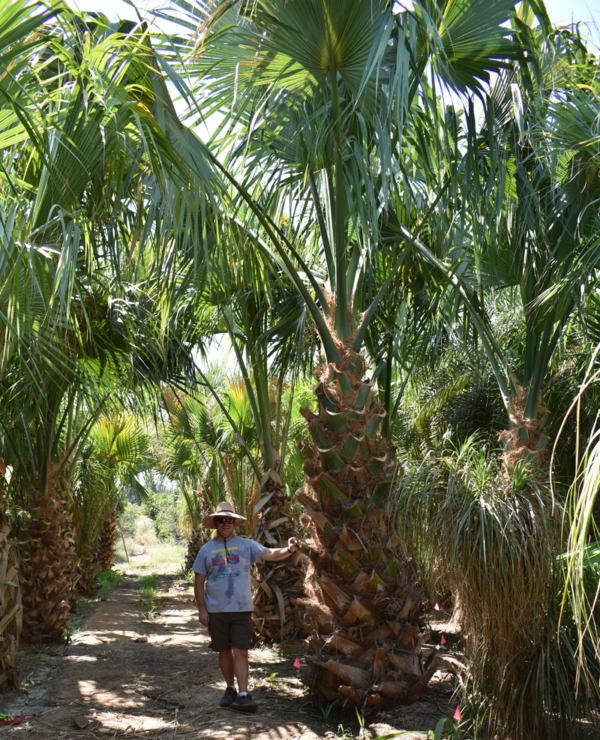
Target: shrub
x=108, y=579
x=128, y=518
x=145, y=533
x=494, y=540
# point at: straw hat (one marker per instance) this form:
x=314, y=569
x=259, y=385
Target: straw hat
x=223, y=509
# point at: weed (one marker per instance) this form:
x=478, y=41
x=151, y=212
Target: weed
x=361, y=721
x=328, y=709
x=440, y=732
x=109, y=579
x=35, y=661
x=343, y=733
x=148, y=586
x=185, y=575
x=151, y=614
x=166, y=553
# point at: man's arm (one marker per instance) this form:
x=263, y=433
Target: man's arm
x=199, y=594
x=279, y=553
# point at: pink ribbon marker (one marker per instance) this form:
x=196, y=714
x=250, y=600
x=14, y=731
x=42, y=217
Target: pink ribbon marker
x=458, y=715
x=14, y=721
x=443, y=640
x=297, y=663
x=437, y=607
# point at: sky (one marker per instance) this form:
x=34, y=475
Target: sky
x=561, y=11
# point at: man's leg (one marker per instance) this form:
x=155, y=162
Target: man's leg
x=218, y=628
x=240, y=667
x=242, y=636
x=226, y=666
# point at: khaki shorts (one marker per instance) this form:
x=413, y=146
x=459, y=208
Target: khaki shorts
x=230, y=629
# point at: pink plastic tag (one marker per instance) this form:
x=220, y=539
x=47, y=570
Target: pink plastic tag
x=437, y=607
x=443, y=640
x=457, y=715
x=297, y=663
x=14, y=721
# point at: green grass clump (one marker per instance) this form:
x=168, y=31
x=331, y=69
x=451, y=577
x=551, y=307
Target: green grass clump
x=120, y=556
x=155, y=557
x=148, y=586
x=166, y=553
x=108, y=579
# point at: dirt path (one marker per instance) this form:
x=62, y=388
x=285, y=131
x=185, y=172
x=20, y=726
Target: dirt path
x=106, y=684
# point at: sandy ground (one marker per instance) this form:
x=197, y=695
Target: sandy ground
x=106, y=684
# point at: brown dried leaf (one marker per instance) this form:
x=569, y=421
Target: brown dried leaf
x=80, y=722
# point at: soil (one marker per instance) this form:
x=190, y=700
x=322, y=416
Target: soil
x=107, y=684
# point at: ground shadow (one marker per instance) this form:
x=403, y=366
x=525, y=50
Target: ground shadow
x=135, y=671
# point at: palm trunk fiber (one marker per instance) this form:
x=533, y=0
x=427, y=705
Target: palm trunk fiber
x=10, y=608
x=363, y=609
x=89, y=569
x=193, y=548
x=49, y=564
x=276, y=616
x=106, y=549
x=525, y=441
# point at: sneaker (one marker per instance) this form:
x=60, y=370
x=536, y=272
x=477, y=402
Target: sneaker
x=245, y=704
x=228, y=697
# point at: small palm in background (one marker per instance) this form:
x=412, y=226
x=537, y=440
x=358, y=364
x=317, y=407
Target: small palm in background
x=118, y=451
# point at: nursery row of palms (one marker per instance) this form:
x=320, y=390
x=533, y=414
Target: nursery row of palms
x=82, y=151
x=408, y=230
x=346, y=219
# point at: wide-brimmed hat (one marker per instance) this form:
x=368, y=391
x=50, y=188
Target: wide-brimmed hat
x=223, y=509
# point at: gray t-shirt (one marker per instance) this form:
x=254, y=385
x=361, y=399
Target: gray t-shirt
x=226, y=566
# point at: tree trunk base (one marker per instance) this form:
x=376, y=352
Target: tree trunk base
x=363, y=608
x=49, y=566
x=368, y=652
x=88, y=584
x=11, y=612
x=106, y=548
x=193, y=548
x=279, y=583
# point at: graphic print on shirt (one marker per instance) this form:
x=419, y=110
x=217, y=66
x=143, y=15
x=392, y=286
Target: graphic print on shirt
x=228, y=558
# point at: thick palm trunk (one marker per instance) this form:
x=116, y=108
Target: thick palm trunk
x=193, y=548
x=363, y=608
x=49, y=565
x=108, y=536
x=276, y=615
x=10, y=608
x=525, y=441
x=89, y=568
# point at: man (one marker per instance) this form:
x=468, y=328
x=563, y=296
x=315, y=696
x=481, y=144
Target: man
x=223, y=565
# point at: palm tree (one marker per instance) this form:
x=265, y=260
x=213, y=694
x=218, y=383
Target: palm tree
x=534, y=222
x=211, y=448
x=85, y=168
x=317, y=99
x=252, y=304
x=531, y=194
x=11, y=610
x=116, y=452
x=13, y=344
